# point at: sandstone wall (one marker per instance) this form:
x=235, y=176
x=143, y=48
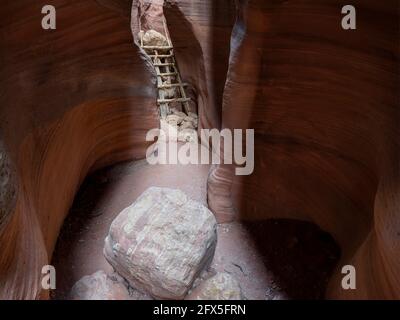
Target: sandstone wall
x=323, y=103
x=72, y=100
x=325, y=109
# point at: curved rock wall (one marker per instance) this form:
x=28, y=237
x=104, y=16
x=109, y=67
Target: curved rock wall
x=324, y=105
x=72, y=100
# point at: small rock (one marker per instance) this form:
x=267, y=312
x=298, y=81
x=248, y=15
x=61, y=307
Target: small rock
x=179, y=113
x=99, y=286
x=154, y=38
x=187, y=135
x=219, y=287
x=193, y=115
x=173, y=118
x=205, y=274
x=187, y=125
x=190, y=119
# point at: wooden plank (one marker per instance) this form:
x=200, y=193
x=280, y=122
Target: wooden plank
x=160, y=55
x=172, y=85
x=164, y=64
x=157, y=47
x=173, y=100
x=167, y=74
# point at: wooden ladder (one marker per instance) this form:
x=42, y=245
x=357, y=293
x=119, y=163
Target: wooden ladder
x=164, y=62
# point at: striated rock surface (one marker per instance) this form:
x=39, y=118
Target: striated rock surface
x=72, y=100
x=162, y=242
x=222, y=286
x=324, y=105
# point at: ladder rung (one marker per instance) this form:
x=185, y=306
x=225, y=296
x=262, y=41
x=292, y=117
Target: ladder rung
x=171, y=85
x=160, y=55
x=163, y=64
x=167, y=74
x=158, y=47
x=173, y=100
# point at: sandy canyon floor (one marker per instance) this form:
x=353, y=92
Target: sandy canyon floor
x=272, y=259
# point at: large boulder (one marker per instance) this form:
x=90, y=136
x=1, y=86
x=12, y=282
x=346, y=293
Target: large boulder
x=162, y=242
x=99, y=286
x=222, y=286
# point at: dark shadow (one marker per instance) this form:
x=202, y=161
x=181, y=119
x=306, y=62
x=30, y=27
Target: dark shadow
x=84, y=209
x=300, y=255
x=223, y=19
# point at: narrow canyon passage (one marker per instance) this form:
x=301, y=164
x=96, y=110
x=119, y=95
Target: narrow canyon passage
x=272, y=259
x=78, y=101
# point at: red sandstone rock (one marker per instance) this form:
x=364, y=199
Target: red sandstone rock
x=8, y=185
x=72, y=100
x=323, y=103
x=324, y=106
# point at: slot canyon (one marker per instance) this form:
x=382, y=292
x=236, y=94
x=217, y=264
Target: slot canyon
x=77, y=102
